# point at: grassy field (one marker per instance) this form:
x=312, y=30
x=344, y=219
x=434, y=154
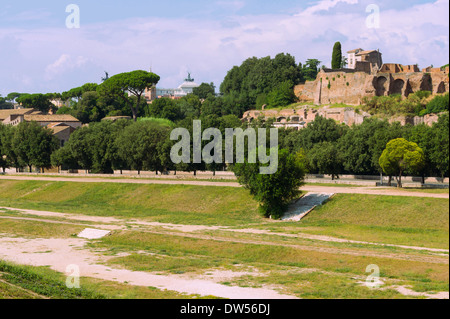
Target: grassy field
x=383, y=219
x=25, y=282
x=301, y=267
x=163, y=203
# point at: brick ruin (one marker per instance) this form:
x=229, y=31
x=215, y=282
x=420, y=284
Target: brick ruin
x=367, y=76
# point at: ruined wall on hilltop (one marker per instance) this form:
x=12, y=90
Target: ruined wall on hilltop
x=340, y=86
x=331, y=87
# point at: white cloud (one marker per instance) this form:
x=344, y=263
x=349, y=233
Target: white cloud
x=325, y=5
x=63, y=64
x=209, y=48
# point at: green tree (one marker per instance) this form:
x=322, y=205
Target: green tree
x=274, y=192
x=281, y=95
x=362, y=145
x=336, y=61
x=190, y=106
x=311, y=69
x=439, y=148
x=37, y=101
x=34, y=145
x=140, y=144
x=325, y=158
x=164, y=108
x=11, y=97
x=7, y=152
x=244, y=85
x=79, y=148
x=204, y=90
x=63, y=159
x=5, y=147
x=124, y=86
x=319, y=130
x=400, y=156
x=438, y=104
x=87, y=109
x=4, y=104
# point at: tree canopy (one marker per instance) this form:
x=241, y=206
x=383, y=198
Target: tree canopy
x=274, y=192
x=125, y=86
x=401, y=155
x=336, y=60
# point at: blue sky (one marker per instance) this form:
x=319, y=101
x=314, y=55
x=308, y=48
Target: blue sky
x=40, y=54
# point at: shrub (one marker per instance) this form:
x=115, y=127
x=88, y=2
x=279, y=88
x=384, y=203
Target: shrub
x=274, y=192
x=437, y=105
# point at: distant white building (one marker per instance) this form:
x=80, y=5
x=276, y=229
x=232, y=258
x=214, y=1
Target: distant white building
x=352, y=58
x=187, y=87
x=360, y=59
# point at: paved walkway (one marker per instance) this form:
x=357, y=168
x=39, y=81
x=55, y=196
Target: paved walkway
x=386, y=191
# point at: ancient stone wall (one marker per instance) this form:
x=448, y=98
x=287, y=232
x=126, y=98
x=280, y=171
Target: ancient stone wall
x=341, y=86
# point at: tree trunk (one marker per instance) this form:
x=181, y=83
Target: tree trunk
x=399, y=181
x=390, y=181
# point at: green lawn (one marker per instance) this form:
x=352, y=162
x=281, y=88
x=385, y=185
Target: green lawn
x=182, y=204
x=411, y=221
x=302, y=267
x=26, y=282
x=275, y=264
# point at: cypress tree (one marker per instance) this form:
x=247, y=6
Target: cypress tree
x=336, y=60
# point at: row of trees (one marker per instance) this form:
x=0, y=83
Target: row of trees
x=329, y=148
x=26, y=145
x=336, y=149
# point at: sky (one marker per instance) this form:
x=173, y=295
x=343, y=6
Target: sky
x=39, y=53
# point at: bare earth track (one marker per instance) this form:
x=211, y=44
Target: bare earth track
x=58, y=253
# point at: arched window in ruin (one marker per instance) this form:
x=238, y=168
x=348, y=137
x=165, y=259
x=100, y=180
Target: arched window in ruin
x=408, y=89
x=397, y=86
x=441, y=88
x=380, y=86
x=427, y=83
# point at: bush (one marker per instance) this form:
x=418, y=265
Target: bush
x=437, y=105
x=274, y=192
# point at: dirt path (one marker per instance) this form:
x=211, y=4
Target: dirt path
x=384, y=191
x=111, y=223
x=189, y=231
x=61, y=253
